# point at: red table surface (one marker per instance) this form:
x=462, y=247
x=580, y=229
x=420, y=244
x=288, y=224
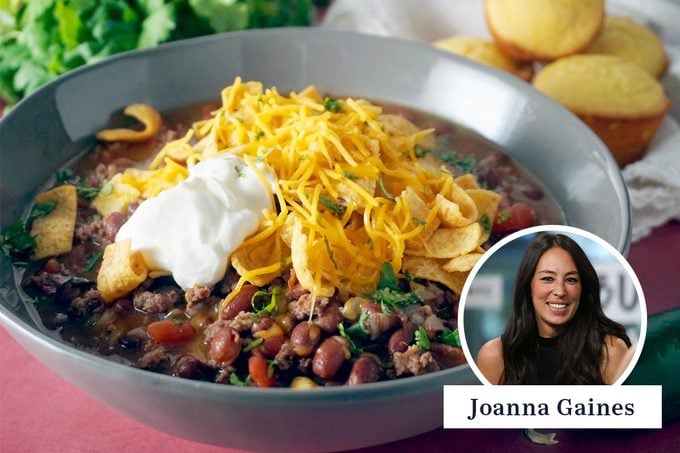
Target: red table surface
x=39, y=411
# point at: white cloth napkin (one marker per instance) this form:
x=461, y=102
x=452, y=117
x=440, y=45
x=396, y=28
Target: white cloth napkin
x=653, y=182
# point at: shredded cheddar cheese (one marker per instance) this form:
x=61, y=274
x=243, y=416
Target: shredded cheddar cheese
x=351, y=192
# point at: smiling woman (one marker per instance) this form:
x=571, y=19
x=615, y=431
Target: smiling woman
x=557, y=332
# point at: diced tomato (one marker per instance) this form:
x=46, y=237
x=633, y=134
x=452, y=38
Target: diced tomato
x=259, y=371
x=169, y=331
x=514, y=218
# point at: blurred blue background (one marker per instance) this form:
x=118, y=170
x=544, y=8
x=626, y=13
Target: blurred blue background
x=489, y=301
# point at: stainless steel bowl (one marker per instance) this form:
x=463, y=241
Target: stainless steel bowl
x=50, y=127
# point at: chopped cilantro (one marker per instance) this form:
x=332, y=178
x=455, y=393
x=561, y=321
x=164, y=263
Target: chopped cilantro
x=87, y=193
x=239, y=171
x=333, y=206
x=237, y=381
x=42, y=209
x=387, y=278
x=350, y=176
x=261, y=158
x=331, y=105
x=451, y=337
x=17, y=243
x=389, y=298
x=63, y=176
x=388, y=292
x=259, y=135
x=353, y=348
x=485, y=222
x=503, y=217
x=422, y=341
x=420, y=151
x=92, y=261
x=466, y=164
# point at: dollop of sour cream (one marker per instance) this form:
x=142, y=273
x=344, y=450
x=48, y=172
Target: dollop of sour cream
x=190, y=230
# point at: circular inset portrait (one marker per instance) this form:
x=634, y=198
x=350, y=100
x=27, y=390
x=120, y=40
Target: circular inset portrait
x=552, y=305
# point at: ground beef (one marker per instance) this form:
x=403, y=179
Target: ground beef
x=430, y=294
x=155, y=302
x=284, y=358
x=157, y=359
x=241, y=322
x=197, y=295
x=90, y=232
x=302, y=307
x=414, y=361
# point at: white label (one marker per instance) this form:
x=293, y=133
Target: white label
x=552, y=406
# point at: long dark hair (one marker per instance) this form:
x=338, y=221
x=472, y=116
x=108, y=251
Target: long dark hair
x=580, y=346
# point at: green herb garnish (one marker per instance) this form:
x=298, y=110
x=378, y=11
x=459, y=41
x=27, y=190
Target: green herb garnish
x=389, y=293
x=87, y=193
x=237, y=381
x=385, y=192
x=422, y=341
x=329, y=250
x=485, y=222
x=331, y=105
x=350, y=176
x=259, y=135
x=264, y=302
x=451, y=337
x=253, y=344
x=332, y=205
x=353, y=348
x=42, y=209
x=92, y=261
x=63, y=176
x=503, y=217
x=17, y=243
x=466, y=164
x=239, y=171
x=419, y=151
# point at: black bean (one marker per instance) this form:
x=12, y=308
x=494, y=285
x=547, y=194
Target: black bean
x=191, y=368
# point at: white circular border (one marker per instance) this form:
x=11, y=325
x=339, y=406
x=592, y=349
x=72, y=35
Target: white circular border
x=554, y=228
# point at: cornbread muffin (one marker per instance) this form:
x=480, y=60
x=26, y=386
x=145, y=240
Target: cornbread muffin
x=619, y=100
x=631, y=41
x=484, y=52
x=543, y=30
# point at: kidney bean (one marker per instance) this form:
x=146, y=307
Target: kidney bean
x=225, y=346
x=378, y=322
x=271, y=346
x=401, y=338
x=304, y=338
x=330, y=356
x=364, y=370
x=112, y=224
x=330, y=317
x=241, y=302
x=446, y=355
